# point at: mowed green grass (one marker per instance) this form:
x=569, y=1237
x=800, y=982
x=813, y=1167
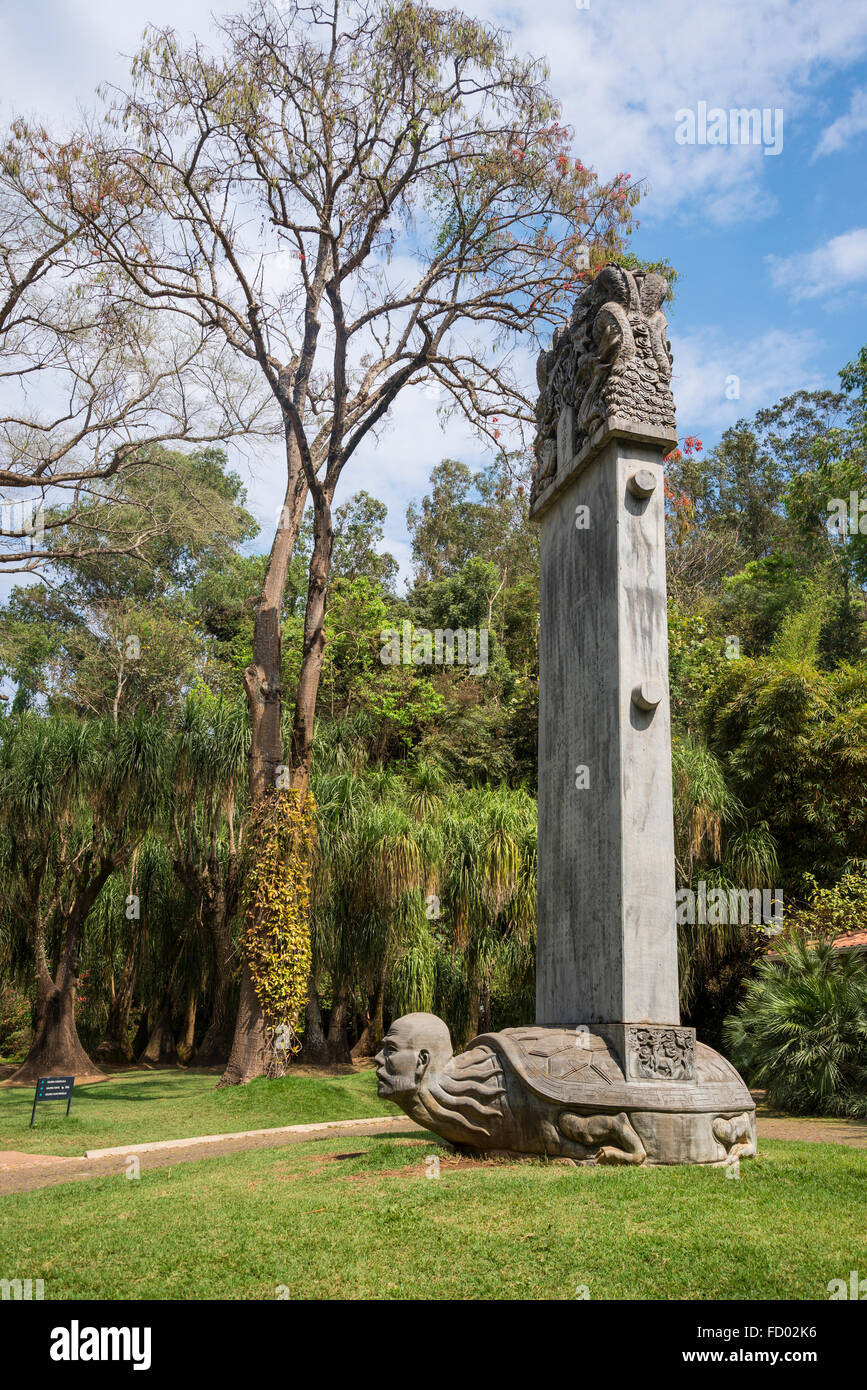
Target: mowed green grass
x=300, y=1222
x=138, y=1107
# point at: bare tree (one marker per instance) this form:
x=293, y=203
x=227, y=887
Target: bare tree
x=90, y=379
x=360, y=197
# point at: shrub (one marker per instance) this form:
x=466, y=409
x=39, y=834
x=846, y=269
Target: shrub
x=801, y=1029
x=832, y=911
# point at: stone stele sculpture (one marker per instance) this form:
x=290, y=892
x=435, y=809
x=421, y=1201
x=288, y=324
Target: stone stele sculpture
x=607, y=1074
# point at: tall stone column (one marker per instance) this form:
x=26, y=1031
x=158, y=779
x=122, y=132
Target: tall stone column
x=606, y=1074
x=607, y=949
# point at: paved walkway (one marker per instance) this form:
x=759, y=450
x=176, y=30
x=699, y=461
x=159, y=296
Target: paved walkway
x=23, y=1172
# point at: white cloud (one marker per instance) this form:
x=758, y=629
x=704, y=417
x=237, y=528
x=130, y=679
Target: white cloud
x=623, y=71
x=845, y=128
x=838, y=264
x=761, y=369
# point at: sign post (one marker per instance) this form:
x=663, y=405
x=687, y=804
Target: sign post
x=52, y=1088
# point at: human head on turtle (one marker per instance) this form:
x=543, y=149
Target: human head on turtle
x=413, y=1045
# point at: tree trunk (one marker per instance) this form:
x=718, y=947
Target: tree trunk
x=338, y=1044
x=188, y=1027
x=56, y=1049
x=475, y=1010
x=251, y=1043
x=485, y=1009
x=216, y=1045
x=313, y=650
x=374, y=1030
x=161, y=1050
x=142, y=1033
x=262, y=677
x=116, y=1045
x=262, y=684
x=315, y=1050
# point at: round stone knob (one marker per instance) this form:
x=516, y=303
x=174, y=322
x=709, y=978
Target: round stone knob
x=641, y=483
x=648, y=694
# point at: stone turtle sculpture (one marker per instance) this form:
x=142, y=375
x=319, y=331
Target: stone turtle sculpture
x=562, y=1092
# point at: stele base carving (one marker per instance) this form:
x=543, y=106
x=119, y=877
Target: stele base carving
x=563, y=1093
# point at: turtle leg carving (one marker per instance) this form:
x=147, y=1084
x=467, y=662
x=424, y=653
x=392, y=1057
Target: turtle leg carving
x=604, y=1138
x=737, y=1136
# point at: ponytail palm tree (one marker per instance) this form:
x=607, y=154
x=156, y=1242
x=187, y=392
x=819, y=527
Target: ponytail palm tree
x=121, y=932
x=143, y=949
x=208, y=753
x=489, y=893
x=75, y=800
x=714, y=842
x=342, y=936
x=172, y=945
x=424, y=900
x=370, y=877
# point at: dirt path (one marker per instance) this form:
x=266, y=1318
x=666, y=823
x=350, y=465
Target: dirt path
x=852, y=1132
x=20, y=1172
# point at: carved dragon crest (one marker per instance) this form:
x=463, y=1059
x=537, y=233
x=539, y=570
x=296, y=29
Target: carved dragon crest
x=611, y=363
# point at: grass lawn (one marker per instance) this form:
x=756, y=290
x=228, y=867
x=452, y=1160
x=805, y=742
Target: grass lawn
x=137, y=1107
x=302, y=1220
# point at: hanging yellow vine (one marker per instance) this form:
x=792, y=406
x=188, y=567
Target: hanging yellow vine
x=277, y=903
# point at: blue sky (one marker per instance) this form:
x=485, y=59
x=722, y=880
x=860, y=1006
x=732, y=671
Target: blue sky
x=771, y=249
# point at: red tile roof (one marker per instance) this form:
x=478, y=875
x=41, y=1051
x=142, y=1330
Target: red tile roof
x=843, y=942
x=851, y=938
